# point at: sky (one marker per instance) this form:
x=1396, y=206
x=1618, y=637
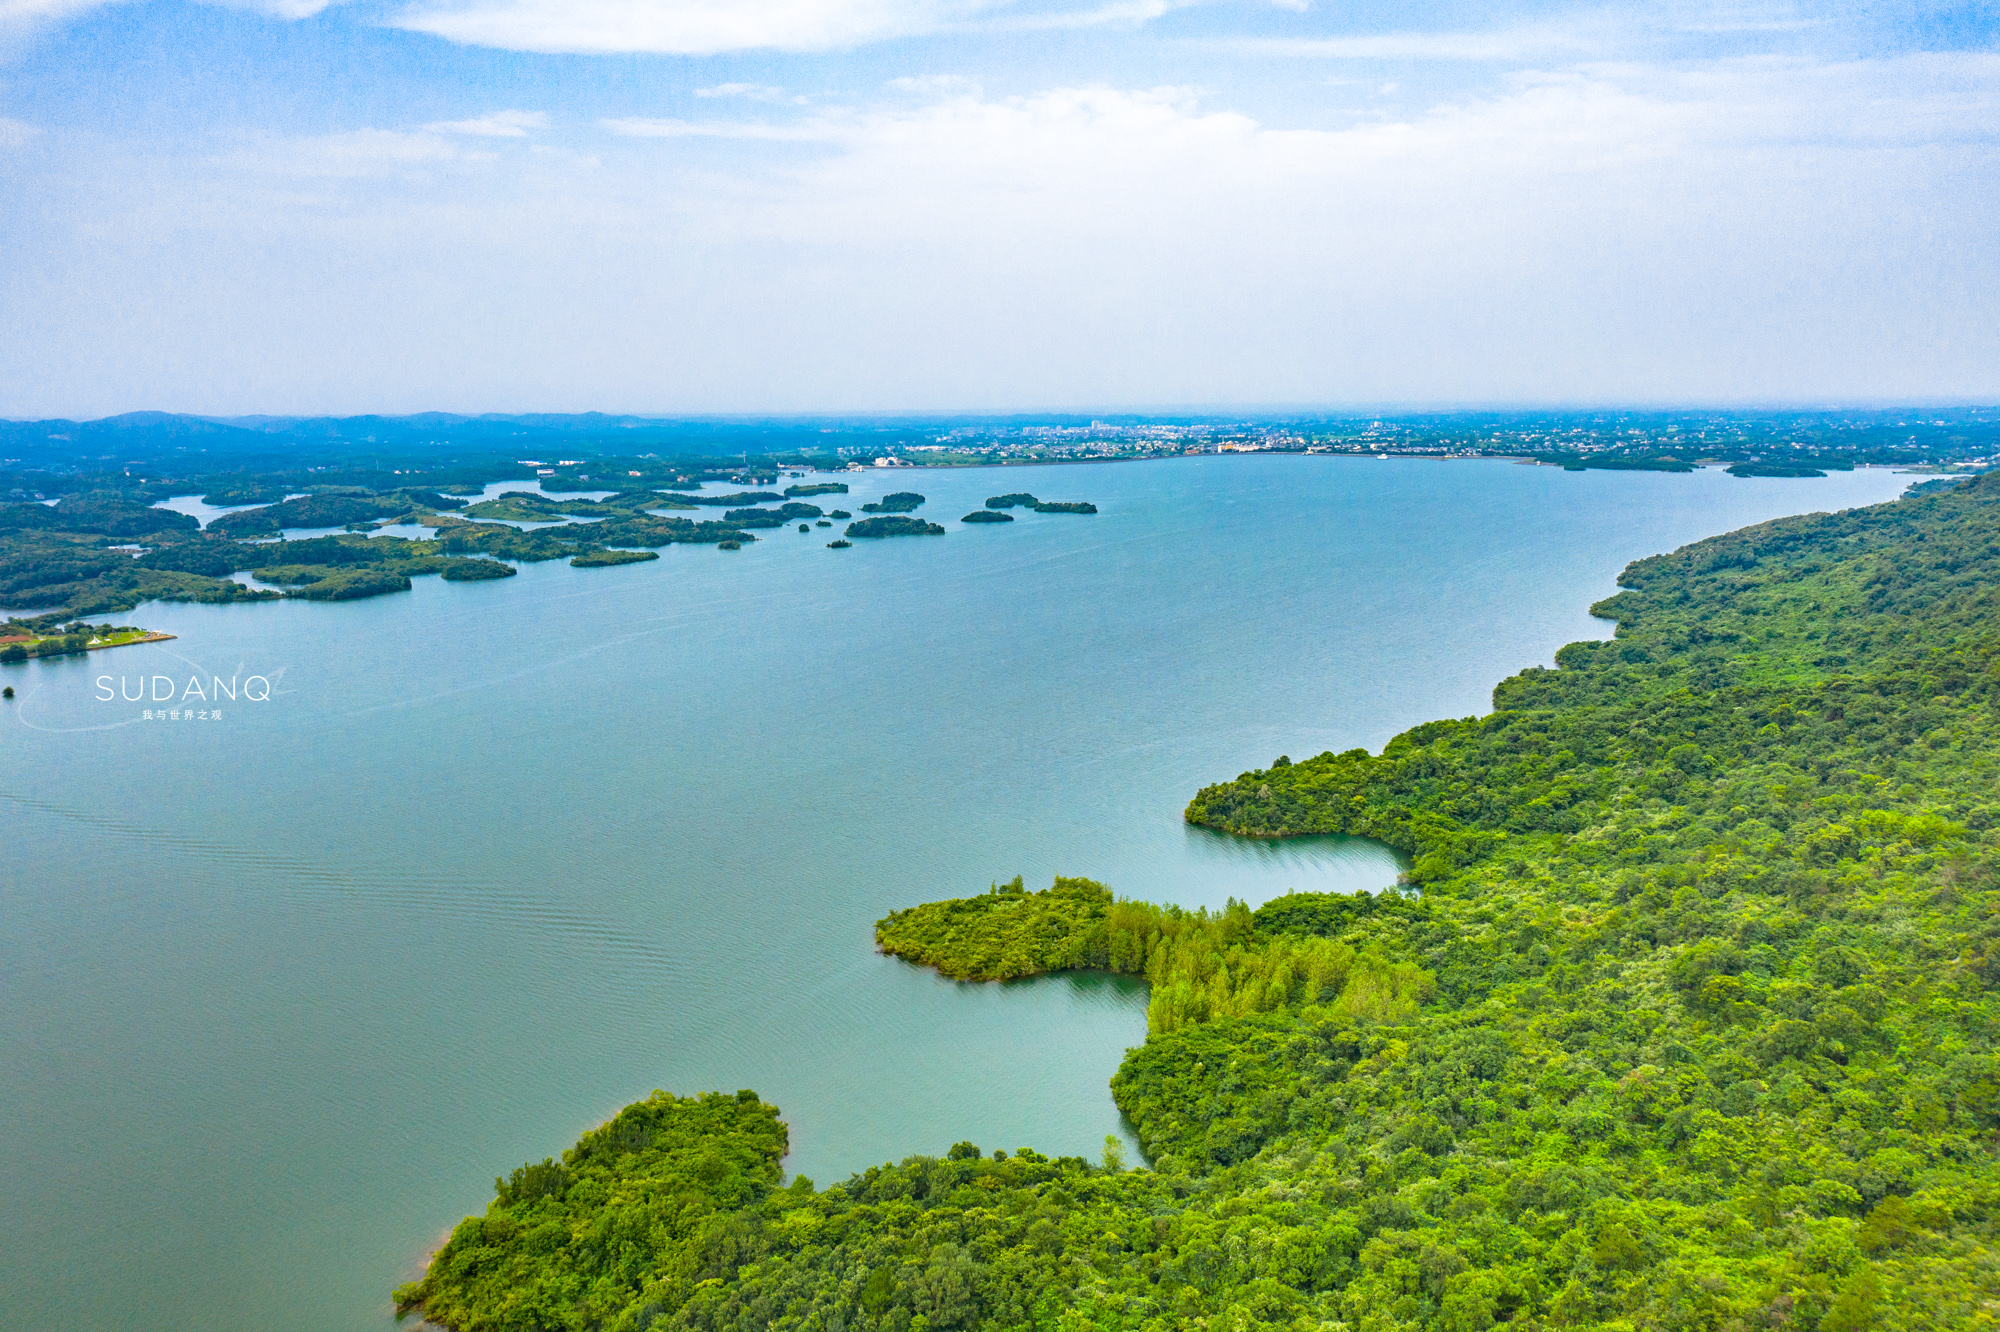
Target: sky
x=696, y=206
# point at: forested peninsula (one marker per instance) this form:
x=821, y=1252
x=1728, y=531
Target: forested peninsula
x=1685, y=1020
x=105, y=544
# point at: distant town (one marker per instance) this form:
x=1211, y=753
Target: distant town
x=1767, y=442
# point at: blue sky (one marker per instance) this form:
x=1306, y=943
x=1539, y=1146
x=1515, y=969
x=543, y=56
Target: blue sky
x=772, y=205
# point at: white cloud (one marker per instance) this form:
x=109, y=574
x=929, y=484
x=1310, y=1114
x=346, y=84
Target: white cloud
x=756, y=92
x=708, y=27
x=283, y=9
x=14, y=133
x=932, y=85
x=498, y=125
x=21, y=20
x=1689, y=232
x=1514, y=44
x=354, y=155
x=687, y=27
x=44, y=11
x=640, y=127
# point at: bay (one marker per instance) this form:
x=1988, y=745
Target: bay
x=281, y=991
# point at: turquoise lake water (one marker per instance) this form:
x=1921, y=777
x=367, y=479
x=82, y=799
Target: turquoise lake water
x=282, y=991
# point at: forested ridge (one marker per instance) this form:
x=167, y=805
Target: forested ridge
x=1686, y=1022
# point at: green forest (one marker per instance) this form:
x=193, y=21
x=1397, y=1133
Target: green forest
x=102, y=546
x=106, y=551
x=1682, y=1019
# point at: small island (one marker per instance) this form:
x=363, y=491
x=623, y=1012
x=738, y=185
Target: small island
x=602, y=559
x=987, y=516
x=778, y=517
x=1020, y=499
x=893, y=527
x=902, y=501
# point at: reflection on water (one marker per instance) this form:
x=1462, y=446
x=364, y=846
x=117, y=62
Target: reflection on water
x=1329, y=864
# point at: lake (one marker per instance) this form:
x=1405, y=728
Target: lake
x=282, y=991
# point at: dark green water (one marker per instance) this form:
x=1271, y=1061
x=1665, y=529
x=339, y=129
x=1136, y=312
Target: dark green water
x=280, y=993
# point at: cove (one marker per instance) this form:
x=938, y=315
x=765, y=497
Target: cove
x=280, y=994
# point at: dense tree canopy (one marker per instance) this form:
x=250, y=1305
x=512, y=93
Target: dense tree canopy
x=1688, y=1021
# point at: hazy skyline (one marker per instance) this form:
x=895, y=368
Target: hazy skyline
x=798, y=205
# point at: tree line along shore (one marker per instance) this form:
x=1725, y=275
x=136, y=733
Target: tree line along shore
x=102, y=551
x=1683, y=1017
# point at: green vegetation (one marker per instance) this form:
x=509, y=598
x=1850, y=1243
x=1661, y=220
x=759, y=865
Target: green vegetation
x=821, y=488
x=1934, y=485
x=901, y=501
x=778, y=517
x=838, y=544
x=987, y=516
x=625, y=1226
x=735, y=501
x=1020, y=499
x=311, y=511
x=68, y=557
x=475, y=571
x=894, y=526
x=22, y=639
x=1775, y=469
x=318, y=583
x=522, y=506
x=1692, y=1025
x=840, y=514
x=599, y=559
x=245, y=492
x=1201, y=967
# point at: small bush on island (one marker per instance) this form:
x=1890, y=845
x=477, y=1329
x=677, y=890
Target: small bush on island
x=1065, y=506
x=841, y=514
x=987, y=516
